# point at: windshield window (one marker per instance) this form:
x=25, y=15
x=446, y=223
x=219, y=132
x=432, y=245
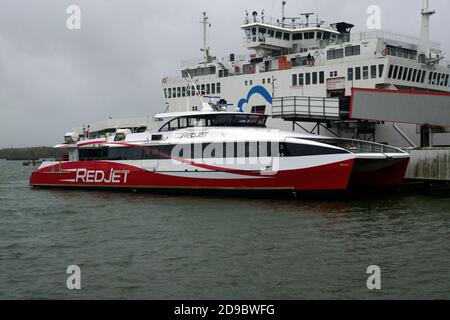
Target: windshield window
x=219, y=120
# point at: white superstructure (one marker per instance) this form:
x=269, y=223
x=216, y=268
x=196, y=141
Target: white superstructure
x=307, y=58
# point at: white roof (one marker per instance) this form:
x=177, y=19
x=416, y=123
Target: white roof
x=197, y=113
x=117, y=123
x=291, y=30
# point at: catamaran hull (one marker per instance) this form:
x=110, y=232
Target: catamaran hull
x=379, y=173
x=103, y=174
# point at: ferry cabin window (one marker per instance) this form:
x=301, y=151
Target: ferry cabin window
x=419, y=75
x=400, y=73
x=405, y=74
x=358, y=73
x=319, y=35
x=92, y=154
x=302, y=150
x=373, y=72
x=301, y=79
x=271, y=33
x=352, y=51
x=423, y=76
x=183, y=91
x=297, y=36
x=208, y=88
x=365, y=72
x=326, y=36
x=294, y=80
x=446, y=80
x=380, y=70
x=314, y=77
x=391, y=70
x=278, y=35
x=286, y=36
x=218, y=88
x=335, y=54
x=219, y=120
x=309, y=35
x=394, y=76
x=308, y=79
x=169, y=93
x=321, y=77
x=350, y=74
x=213, y=88
x=257, y=110
x=410, y=73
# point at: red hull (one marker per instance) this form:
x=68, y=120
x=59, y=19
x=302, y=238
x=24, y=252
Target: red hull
x=335, y=176
x=379, y=173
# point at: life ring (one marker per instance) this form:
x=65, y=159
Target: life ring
x=385, y=52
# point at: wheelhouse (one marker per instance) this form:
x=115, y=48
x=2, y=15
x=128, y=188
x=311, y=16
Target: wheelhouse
x=215, y=120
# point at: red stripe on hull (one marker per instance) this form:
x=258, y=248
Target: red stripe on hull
x=379, y=173
x=335, y=176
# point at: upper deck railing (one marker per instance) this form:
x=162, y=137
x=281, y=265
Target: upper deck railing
x=360, y=36
x=305, y=108
x=288, y=23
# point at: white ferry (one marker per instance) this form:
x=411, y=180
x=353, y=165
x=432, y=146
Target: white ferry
x=301, y=72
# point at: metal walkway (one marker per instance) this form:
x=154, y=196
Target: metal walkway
x=306, y=109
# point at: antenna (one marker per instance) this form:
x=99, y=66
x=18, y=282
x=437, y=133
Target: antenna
x=205, y=105
x=424, y=39
x=307, y=15
x=206, y=25
x=255, y=15
x=283, y=17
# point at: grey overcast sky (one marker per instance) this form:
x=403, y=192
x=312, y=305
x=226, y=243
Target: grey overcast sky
x=53, y=79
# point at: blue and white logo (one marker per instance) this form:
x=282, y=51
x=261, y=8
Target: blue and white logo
x=255, y=90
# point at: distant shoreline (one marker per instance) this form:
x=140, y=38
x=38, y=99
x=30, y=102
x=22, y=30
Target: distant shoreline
x=30, y=154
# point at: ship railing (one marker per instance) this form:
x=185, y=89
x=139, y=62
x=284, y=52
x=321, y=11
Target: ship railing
x=359, y=146
x=360, y=36
x=287, y=24
x=304, y=108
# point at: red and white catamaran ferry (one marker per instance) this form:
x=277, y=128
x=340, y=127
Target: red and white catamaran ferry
x=217, y=150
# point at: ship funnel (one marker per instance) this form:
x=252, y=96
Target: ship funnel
x=424, y=39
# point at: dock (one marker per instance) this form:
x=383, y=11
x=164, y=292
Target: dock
x=429, y=166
